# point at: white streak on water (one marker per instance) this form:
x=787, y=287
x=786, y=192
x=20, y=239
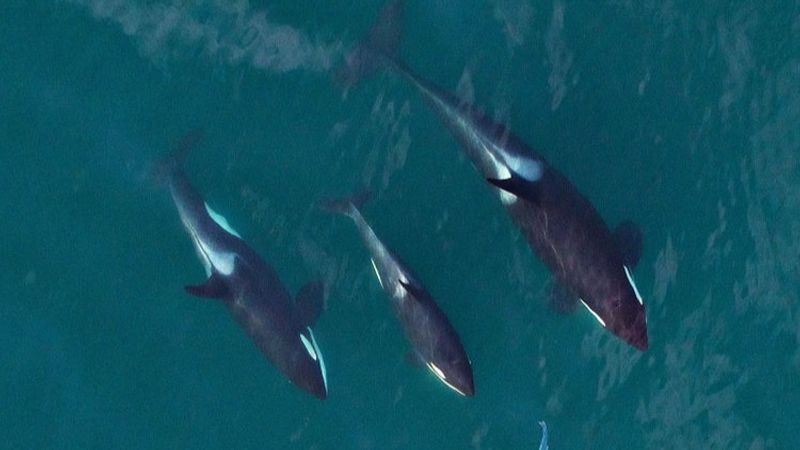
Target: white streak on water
x=516, y=18
x=228, y=32
x=543, y=445
x=559, y=57
x=387, y=135
x=737, y=50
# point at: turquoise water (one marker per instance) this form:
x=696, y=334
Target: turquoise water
x=681, y=117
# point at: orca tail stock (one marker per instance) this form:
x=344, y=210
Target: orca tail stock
x=348, y=206
x=378, y=49
x=165, y=167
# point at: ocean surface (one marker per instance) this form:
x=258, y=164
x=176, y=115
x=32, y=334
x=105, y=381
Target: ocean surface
x=682, y=116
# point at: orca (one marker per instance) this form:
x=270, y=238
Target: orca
x=249, y=287
x=589, y=262
x=435, y=342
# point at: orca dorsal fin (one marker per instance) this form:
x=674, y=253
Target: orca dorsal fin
x=519, y=186
x=308, y=302
x=628, y=238
x=214, y=287
x=415, y=290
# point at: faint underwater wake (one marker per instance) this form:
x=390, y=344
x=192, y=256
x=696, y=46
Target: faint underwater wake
x=227, y=32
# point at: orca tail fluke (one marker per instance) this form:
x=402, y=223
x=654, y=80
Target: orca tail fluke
x=348, y=206
x=377, y=49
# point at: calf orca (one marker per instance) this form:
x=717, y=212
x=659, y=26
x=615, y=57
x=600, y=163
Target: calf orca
x=278, y=325
x=590, y=263
x=435, y=342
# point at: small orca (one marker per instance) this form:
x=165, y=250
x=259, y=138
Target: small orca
x=278, y=325
x=590, y=263
x=435, y=342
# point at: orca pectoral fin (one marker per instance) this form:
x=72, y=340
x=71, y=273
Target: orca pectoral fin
x=214, y=287
x=308, y=302
x=522, y=188
x=561, y=299
x=628, y=238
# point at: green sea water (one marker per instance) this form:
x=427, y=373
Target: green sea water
x=682, y=116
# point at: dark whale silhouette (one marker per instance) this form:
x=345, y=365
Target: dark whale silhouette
x=590, y=263
x=435, y=342
x=278, y=325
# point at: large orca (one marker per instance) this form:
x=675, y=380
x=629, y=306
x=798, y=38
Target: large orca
x=590, y=263
x=434, y=340
x=279, y=325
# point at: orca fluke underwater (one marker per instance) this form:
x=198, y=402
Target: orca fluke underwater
x=591, y=265
x=279, y=325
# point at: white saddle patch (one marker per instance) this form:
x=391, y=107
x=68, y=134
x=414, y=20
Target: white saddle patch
x=527, y=168
x=501, y=172
x=222, y=262
x=400, y=291
x=221, y=221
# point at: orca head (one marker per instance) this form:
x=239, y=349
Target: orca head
x=629, y=320
x=631, y=326
x=455, y=372
x=307, y=369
